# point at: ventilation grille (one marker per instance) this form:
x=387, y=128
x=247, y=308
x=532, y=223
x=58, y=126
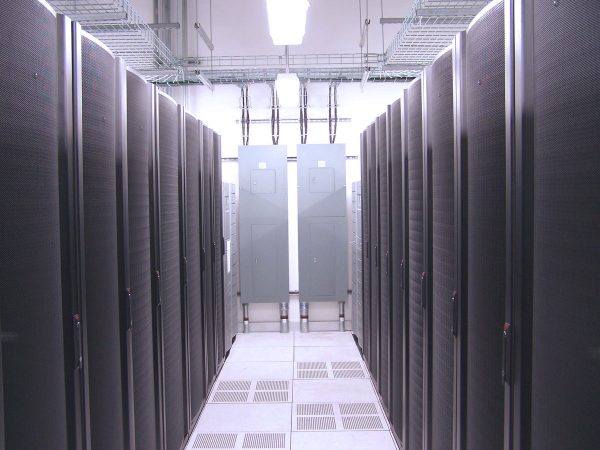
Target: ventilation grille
x=346, y=365
x=330, y=370
x=272, y=385
x=314, y=409
x=215, y=440
x=338, y=417
x=231, y=397
x=362, y=423
x=358, y=409
x=316, y=374
x=312, y=366
x=264, y=440
x=315, y=423
x=255, y=441
x=234, y=385
x=252, y=391
x=270, y=397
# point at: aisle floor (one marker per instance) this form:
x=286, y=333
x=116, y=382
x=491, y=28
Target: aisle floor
x=293, y=391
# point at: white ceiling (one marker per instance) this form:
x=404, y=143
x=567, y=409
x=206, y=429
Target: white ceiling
x=240, y=27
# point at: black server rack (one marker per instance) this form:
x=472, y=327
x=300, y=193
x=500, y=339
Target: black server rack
x=32, y=355
x=417, y=276
x=460, y=298
x=366, y=242
x=207, y=251
x=373, y=192
x=195, y=337
x=101, y=233
x=487, y=228
x=357, y=296
x=398, y=218
x=143, y=304
x=555, y=236
x=440, y=132
x=169, y=159
x=217, y=187
x=384, y=259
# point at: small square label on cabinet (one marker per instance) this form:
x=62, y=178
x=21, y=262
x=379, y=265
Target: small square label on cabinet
x=262, y=165
x=321, y=163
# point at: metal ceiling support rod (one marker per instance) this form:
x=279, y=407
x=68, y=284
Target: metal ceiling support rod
x=363, y=33
x=304, y=317
x=284, y=324
x=204, y=35
x=274, y=115
x=245, y=116
x=303, y=113
x=333, y=121
x=342, y=316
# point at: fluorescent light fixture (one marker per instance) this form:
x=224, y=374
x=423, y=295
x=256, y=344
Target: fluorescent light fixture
x=287, y=21
x=287, y=86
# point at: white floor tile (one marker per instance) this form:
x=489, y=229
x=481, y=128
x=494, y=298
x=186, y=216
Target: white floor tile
x=324, y=339
x=250, y=370
x=240, y=417
x=314, y=391
x=253, y=440
x=347, y=440
x=264, y=339
x=261, y=354
x=337, y=353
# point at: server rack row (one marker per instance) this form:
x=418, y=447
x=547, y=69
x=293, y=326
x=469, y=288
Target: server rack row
x=111, y=306
x=480, y=193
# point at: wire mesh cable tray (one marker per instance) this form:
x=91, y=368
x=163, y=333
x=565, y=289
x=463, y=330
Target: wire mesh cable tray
x=118, y=25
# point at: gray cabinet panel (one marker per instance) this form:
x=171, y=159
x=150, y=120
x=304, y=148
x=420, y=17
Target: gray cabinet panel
x=263, y=224
x=322, y=227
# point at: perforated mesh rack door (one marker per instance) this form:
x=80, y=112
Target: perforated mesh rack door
x=384, y=259
x=415, y=264
x=218, y=244
x=441, y=136
x=397, y=194
x=366, y=243
x=30, y=280
x=139, y=154
x=486, y=224
x=375, y=281
x=193, y=149
x=207, y=267
x=101, y=263
x=170, y=263
x=566, y=253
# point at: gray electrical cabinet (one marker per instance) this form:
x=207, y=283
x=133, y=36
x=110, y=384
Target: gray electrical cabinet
x=263, y=224
x=322, y=225
x=227, y=272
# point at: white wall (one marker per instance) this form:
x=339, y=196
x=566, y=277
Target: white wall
x=220, y=110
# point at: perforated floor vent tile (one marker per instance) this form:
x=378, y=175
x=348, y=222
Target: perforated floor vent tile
x=314, y=409
x=215, y=440
x=251, y=441
x=337, y=417
x=264, y=440
x=362, y=423
x=358, y=409
x=252, y=391
x=315, y=423
x=318, y=370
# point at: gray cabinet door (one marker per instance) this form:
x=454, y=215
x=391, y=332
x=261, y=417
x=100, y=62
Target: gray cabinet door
x=263, y=224
x=322, y=226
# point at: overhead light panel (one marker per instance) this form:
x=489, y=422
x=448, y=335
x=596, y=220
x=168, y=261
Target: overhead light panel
x=287, y=86
x=287, y=21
